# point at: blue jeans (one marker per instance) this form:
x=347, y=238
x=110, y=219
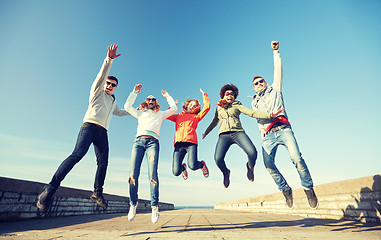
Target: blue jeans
x=270, y=145
x=141, y=146
x=225, y=140
x=182, y=148
x=89, y=133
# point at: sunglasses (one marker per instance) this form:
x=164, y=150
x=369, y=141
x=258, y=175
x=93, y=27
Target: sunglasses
x=151, y=99
x=260, y=81
x=110, y=83
x=229, y=93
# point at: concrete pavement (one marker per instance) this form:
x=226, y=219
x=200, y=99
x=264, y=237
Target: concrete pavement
x=189, y=224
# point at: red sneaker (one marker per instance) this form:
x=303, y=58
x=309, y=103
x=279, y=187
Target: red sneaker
x=185, y=173
x=205, y=170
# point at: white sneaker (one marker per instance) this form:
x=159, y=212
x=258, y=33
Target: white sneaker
x=132, y=212
x=155, y=214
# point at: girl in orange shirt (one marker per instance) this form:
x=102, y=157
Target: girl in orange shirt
x=186, y=137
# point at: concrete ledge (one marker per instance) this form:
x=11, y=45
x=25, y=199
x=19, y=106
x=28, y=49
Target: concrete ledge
x=355, y=199
x=18, y=201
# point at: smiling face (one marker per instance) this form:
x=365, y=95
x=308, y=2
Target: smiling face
x=259, y=84
x=151, y=102
x=110, y=86
x=193, y=107
x=229, y=96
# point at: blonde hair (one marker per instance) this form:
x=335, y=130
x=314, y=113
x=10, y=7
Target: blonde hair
x=144, y=106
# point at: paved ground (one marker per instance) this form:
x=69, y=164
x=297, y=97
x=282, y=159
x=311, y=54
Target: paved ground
x=189, y=224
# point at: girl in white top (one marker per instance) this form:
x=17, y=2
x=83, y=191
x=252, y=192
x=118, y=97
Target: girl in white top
x=146, y=142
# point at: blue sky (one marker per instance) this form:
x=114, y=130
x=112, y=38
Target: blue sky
x=51, y=52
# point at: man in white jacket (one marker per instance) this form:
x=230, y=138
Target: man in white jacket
x=102, y=106
x=146, y=142
x=278, y=132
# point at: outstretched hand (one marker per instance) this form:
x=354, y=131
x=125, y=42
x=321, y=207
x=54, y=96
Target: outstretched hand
x=277, y=113
x=112, y=51
x=138, y=88
x=164, y=93
x=205, y=97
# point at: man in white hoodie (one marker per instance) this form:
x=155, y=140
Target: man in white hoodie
x=146, y=142
x=102, y=106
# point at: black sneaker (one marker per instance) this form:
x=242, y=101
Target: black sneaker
x=312, y=199
x=227, y=179
x=45, y=198
x=98, y=198
x=250, y=173
x=289, y=199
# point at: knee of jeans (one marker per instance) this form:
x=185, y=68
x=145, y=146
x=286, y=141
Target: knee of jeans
x=154, y=182
x=192, y=166
x=298, y=161
x=151, y=158
x=176, y=172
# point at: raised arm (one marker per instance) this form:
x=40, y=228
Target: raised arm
x=131, y=99
x=206, y=107
x=172, y=105
x=278, y=72
x=99, y=82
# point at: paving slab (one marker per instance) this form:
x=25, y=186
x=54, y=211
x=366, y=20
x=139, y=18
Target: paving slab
x=189, y=224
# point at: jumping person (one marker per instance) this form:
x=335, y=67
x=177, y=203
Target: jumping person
x=146, y=142
x=278, y=131
x=186, y=137
x=101, y=107
x=231, y=131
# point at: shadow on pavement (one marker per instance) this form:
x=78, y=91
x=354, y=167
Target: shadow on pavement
x=50, y=223
x=335, y=225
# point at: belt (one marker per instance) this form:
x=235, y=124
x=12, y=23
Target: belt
x=145, y=136
x=97, y=125
x=277, y=128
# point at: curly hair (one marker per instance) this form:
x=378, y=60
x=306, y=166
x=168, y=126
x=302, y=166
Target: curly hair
x=231, y=87
x=144, y=106
x=196, y=110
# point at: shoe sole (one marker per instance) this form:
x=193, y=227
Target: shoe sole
x=317, y=205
